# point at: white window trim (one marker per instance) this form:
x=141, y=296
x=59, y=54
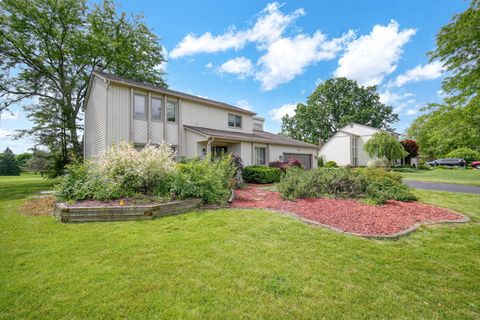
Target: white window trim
x=145, y=106
x=162, y=111
x=175, y=103
x=235, y=115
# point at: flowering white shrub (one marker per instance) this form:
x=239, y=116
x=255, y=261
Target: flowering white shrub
x=378, y=163
x=143, y=169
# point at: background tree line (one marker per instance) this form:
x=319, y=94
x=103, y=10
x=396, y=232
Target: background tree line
x=48, y=49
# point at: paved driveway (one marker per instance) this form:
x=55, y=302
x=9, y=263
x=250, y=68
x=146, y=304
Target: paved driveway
x=439, y=186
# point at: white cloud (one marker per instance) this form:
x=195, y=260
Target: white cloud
x=287, y=58
x=428, y=71
x=269, y=26
x=391, y=98
x=209, y=65
x=371, y=57
x=244, y=104
x=240, y=66
x=6, y=115
x=411, y=112
x=6, y=133
x=278, y=113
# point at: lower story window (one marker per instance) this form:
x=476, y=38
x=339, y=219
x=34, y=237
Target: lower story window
x=260, y=156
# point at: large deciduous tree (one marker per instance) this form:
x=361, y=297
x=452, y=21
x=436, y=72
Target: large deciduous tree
x=456, y=122
x=8, y=165
x=48, y=48
x=334, y=104
x=458, y=47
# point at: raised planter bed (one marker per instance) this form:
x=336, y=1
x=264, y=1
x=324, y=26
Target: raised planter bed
x=66, y=213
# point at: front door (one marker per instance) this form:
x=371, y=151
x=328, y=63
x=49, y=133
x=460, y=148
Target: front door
x=219, y=150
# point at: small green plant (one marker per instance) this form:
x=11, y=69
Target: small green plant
x=262, y=174
x=330, y=164
x=320, y=162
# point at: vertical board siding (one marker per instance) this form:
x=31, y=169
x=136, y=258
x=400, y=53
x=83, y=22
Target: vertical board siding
x=199, y=115
x=140, y=131
x=172, y=134
x=156, y=132
x=118, y=114
x=96, y=119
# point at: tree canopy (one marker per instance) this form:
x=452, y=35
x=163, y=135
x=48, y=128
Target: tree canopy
x=48, y=49
x=8, y=165
x=458, y=47
x=334, y=104
x=383, y=145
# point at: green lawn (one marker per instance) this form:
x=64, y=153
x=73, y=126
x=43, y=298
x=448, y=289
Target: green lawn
x=460, y=176
x=231, y=264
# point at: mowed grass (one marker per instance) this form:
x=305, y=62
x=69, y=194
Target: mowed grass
x=459, y=176
x=229, y=264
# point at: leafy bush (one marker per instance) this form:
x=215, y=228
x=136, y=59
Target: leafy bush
x=137, y=170
x=374, y=184
x=323, y=182
x=467, y=154
x=294, y=163
x=330, y=164
x=378, y=163
x=383, y=145
x=209, y=180
x=261, y=174
x=82, y=181
x=320, y=162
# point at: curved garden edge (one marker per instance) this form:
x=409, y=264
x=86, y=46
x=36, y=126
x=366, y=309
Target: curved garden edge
x=393, y=236
x=388, y=236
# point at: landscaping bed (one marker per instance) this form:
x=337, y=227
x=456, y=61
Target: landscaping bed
x=392, y=219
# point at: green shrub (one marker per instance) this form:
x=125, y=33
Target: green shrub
x=81, y=182
x=262, y=174
x=330, y=164
x=322, y=182
x=376, y=185
x=467, y=154
x=209, y=180
x=320, y=162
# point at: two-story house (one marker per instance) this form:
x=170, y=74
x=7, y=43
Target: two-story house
x=118, y=109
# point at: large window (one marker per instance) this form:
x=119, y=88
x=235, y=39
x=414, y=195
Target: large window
x=171, y=111
x=156, y=109
x=354, y=151
x=260, y=156
x=140, y=107
x=234, y=121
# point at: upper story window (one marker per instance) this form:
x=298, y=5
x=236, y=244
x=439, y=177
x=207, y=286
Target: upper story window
x=234, y=121
x=140, y=107
x=171, y=111
x=156, y=106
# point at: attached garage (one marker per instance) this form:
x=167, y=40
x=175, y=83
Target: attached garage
x=305, y=159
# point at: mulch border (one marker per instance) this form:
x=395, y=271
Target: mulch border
x=393, y=236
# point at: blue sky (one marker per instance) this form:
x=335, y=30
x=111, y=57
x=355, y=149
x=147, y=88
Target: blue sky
x=268, y=56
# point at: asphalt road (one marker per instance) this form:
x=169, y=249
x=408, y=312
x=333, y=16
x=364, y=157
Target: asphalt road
x=439, y=186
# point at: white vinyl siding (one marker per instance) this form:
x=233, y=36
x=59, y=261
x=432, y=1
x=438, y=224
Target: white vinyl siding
x=96, y=119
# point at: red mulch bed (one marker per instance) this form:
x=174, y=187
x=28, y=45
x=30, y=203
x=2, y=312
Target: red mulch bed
x=349, y=215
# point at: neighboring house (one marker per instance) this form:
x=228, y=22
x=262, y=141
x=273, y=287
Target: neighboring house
x=118, y=109
x=345, y=147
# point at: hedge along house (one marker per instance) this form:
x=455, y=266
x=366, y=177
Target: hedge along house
x=345, y=147
x=118, y=109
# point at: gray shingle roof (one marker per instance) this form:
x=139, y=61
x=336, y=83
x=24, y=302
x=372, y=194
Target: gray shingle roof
x=179, y=94
x=256, y=136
